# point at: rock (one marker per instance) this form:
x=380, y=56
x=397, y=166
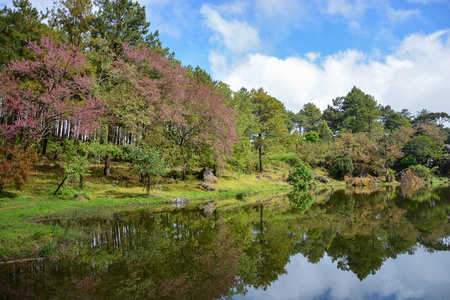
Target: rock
x=180, y=201
x=349, y=180
x=368, y=180
x=258, y=177
x=206, y=186
x=209, y=208
x=408, y=176
x=268, y=177
x=321, y=179
x=208, y=176
x=82, y=197
x=284, y=177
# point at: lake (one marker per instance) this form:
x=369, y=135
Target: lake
x=390, y=243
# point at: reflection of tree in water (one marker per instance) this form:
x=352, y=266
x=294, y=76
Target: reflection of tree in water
x=182, y=254
x=301, y=201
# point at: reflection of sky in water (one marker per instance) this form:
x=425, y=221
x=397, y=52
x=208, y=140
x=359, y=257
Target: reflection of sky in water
x=419, y=276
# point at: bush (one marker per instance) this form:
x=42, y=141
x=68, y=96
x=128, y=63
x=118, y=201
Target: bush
x=342, y=166
x=408, y=161
x=300, y=177
x=422, y=171
x=289, y=158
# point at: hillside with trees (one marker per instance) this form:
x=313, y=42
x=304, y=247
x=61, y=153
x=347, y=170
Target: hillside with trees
x=99, y=86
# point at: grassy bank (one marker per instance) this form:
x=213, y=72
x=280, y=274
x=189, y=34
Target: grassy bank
x=24, y=235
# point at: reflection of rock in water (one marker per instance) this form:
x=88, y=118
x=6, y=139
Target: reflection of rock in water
x=409, y=190
x=209, y=208
x=411, y=183
x=180, y=202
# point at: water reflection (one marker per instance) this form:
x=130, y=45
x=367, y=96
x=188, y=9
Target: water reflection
x=375, y=244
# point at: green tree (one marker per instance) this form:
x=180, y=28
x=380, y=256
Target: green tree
x=271, y=119
x=18, y=27
x=246, y=125
x=147, y=162
x=324, y=131
x=343, y=165
x=334, y=115
x=392, y=120
x=311, y=136
x=424, y=150
x=73, y=18
x=309, y=117
x=118, y=22
x=360, y=111
x=300, y=177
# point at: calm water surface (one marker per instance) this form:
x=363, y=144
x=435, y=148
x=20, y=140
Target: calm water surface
x=388, y=244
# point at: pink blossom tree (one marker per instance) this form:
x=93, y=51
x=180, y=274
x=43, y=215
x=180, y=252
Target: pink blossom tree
x=52, y=87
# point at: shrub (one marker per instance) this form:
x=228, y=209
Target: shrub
x=300, y=177
x=422, y=171
x=342, y=166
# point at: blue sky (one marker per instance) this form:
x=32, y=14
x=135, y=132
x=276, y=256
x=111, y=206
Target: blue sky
x=314, y=51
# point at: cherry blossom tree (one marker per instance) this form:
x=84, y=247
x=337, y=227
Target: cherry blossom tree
x=53, y=87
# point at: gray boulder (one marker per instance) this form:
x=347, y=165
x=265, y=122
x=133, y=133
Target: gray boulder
x=206, y=186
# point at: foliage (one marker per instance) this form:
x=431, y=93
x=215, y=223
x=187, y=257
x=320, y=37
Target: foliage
x=15, y=166
x=300, y=177
x=309, y=117
x=311, y=136
x=422, y=171
x=148, y=163
x=301, y=201
x=18, y=27
x=52, y=88
x=271, y=123
x=409, y=160
x=119, y=22
x=73, y=18
x=75, y=161
x=343, y=165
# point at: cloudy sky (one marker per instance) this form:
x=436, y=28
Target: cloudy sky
x=303, y=51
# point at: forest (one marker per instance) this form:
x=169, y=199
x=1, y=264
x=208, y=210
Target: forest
x=81, y=85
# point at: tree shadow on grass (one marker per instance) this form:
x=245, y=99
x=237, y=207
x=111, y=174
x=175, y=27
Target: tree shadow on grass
x=9, y=195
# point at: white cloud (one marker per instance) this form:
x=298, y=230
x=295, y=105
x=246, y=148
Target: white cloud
x=346, y=8
x=237, y=37
x=414, y=76
x=396, y=15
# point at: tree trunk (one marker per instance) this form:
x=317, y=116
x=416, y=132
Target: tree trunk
x=81, y=181
x=107, y=169
x=44, y=145
x=260, y=159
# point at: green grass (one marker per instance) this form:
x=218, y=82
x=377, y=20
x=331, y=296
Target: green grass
x=24, y=235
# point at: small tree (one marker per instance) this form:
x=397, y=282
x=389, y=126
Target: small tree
x=147, y=162
x=342, y=166
x=15, y=166
x=300, y=177
x=75, y=162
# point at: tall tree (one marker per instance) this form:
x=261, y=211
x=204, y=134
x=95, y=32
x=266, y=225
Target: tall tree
x=246, y=125
x=309, y=117
x=119, y=22
x=360, y=111
x=18, y=27
x=271, y=120
x=52, y=88
x=73, y=18
x=391, y=119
